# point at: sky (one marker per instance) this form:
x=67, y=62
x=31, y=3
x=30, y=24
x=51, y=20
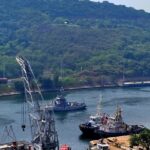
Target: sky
x=137, y=4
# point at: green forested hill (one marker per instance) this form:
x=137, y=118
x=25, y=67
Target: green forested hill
x=91, y=42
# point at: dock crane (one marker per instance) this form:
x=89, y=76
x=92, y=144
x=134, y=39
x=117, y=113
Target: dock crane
x=42, y=123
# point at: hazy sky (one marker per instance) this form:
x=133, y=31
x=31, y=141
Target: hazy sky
x=138, y=4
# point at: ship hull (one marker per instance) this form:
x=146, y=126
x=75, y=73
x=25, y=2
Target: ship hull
x=102, y=134
x=96, y=133
x=69, y=108
x=87, y=130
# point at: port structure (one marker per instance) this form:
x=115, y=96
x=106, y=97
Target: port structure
x=8, y=133
x=41, y=118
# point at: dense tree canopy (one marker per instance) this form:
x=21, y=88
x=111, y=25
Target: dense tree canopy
x=85, y=42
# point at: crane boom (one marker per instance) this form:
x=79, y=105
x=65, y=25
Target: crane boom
x=44, y=135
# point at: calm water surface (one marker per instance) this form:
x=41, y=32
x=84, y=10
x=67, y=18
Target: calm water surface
x=135, y=103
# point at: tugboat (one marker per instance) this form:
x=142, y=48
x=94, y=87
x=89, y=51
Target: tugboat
x=115, y=126
x=110, y=126
x=61, y=104
x=88, y=128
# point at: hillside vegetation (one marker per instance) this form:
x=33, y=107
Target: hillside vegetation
x=85, y=42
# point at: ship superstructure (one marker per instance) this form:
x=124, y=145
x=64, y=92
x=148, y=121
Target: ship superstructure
x=60, y=104
x=109, y=126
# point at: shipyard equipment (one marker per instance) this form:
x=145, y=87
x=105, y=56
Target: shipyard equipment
x=8, y=133
x=44, y=135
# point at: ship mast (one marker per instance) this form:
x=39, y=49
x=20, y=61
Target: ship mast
x=99, y=105
x=118, y=115
x=44, y=135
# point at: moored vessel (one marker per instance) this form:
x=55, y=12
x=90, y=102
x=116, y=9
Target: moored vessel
x=60, y=104
x=89, y=127
x=110, y=126
x=115, y=126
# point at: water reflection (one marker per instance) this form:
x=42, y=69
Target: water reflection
x=5, y=121
x=129, y=101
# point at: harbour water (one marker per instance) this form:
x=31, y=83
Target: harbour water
x=135, y=104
